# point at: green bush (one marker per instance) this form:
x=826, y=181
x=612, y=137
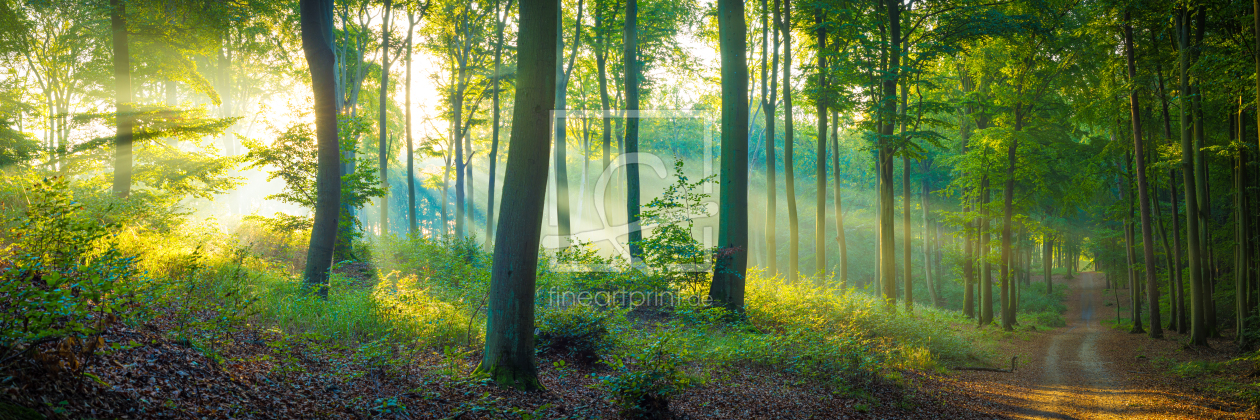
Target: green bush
x=1050, y=319
x=64, y=279
x=646, y=379
x=579, y=331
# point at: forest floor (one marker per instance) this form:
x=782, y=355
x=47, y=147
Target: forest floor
x=1088, y=369
x=1094, y=368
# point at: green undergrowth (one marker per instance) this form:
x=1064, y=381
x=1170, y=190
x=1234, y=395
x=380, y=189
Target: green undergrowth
x=206, y=281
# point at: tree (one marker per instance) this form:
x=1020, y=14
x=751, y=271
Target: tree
x=563, y=71
x=383, y=151
x=789, y=170
x=1148, y=241
x=122, y=99
x=888, y=112
x=411, y=154
x=772, y=247
x=730, y=268
x=820, y=153
x=509, y=354
x=500, y=21
x=1198, y=327
x=631, y=57
x=317, y=43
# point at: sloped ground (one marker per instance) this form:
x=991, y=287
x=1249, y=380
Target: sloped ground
x=259, y=374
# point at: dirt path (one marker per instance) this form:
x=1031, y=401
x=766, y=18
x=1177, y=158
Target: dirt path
x=1088, y=370
x=1075, y=380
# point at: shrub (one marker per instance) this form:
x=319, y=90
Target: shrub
x=1049, y=319
x=64, y=280
x=580, y=331
x=646, y=380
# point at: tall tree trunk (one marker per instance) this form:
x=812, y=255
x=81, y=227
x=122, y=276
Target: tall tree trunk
x=907, y=237
x=789, y=169
x=888, y=254
x=601, y=65
x=841, y=242
x=986, y=268
x=491, y=179
x=631, y=56
x=509, y=354
x=928, y=274
x=1176, y=304
x=772, y=247
x=731, y=265
x=1129, y=241
x=122, y=99
x=1198, y=331
x=411, y=168
x=317, y=43
x=383, y=150
x=1148, y=241
x=564, y=225
x=1008, y=202
x=1047, y=254
x=820, y=153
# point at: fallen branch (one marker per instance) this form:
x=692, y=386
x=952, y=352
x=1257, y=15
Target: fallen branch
x=988, y=369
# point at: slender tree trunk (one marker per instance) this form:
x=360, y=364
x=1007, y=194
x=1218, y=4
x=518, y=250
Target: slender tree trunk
x=841, y=242
x=1148, y=241
x=887, y=257
x=1008, y=201
x=820, y=171
x=509, y=354
x=125, y=122
x=601, y=65
x=986, y=268
x=317, y=42
x=772, y=247
x=1198, y=331
x=631, y=56
x=411, y=168
x=928, y=275
x=1047, y=253
x=789, y=169
x=907, y=237
x=383, y=150
x=1135, y=297
x=491, y=179
x=731, y=265
x=564, y=224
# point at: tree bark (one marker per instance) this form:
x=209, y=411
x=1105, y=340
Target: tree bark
x=631, y=57
x=1198, y=329
x=887, y=256
x=317, y=42
x=1129, y=239
x=928, y=274
x=820, y=153
x=411, y=168
x=491, y=179
x=907, y=237
x=841, y=242
x=789, y=169
x=772, y=247
x=1148, y=241
x=564, y=225
x=382, y=150
x=730, y=268
x=125, y=121
x=509, y=354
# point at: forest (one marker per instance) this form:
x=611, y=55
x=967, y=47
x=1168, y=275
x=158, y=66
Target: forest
x=641, y=209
